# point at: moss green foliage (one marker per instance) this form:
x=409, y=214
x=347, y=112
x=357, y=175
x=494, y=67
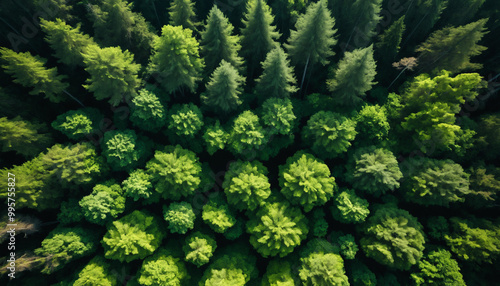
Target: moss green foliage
x=389, y=41
x=30, y=71
x=134, y=236
x=63, y=245
x=322, y=269
x=223, y=89
x=218, y=216
x=182, y=13
x=276, y=229
x=329, y=134
x=484, y=185
x=247, y=136
x=489, y=135
x=344, y=244
x=138, y=186
x=162, y=269
x=215, y=138
x=438, y=267
x=374, y=171
x=278, y=116
x=78, y=124
x=185, y=120
x=393, y=237
x=361, y=275
x=147, y=112
x=372, y=125
x=199, y=248
x=176, y=172
x=278, y=273
x=320, y=225
x=123, y=149
x=349, y=208
x=25, y=138
x=306, y=181
x=438, y=227
x=180, y=217
x=70, y=212
x=104, y=204
x=96, y=272
x=277, y=79
x=435, y=182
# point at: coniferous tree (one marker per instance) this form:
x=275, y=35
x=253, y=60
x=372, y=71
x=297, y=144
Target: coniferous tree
x=224, y=88
x=24, y=137
x=459, y=12
x=277, y=79
x=389, y=42
x=218, y=43
x=362, y=22
x=30, y=71
x=182, y=14
x=313, y=38
x=451, y=48
x=422, y=16
x=258, y=35
x=354, y=76
x=176, y=59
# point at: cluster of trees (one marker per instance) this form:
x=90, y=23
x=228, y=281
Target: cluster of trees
x=181, y=142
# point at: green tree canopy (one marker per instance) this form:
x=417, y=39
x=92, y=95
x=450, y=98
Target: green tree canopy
x=199, y=248
x=234, y=266
x=123, y=149
x=437, y=267
x=138, y=186
x=185, y=121
x=104, y=204
x=372, y=125
x=25, y=138
x=182, y=13
x=247, y=135
x=389, y=41
x=224, y=88
x=180, y=217
x=278, y=116
x=215, y=138
x=349, y=208
x=277, y=79
x=96, y=272
x=147, y=112
x=78, y=124
x=278, y=273
x=323, y=269
x=361, y=275
x=162, y=269
x=344, y=244
x=218, y=216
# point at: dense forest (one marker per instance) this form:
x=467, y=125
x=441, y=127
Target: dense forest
x=250, y=142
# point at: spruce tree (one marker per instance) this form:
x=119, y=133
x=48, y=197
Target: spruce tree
x=30, y=71
x=258, y=35
x=312, y=40
x=389, y=42
x=421, y=18
x=353, y=77
x=451, y=48
x=24, y=137
x=182, y=14
x=361, y=24
x=67, y=42
x=224, y=88
x=176, y=59
x=277, y=80
x=462, y=11
x=218, y=43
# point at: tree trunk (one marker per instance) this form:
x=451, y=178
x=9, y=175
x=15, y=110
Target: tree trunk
x=304, y=74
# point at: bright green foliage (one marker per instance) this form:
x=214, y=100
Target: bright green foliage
x=122, y=149
x=278, y=116
x=349, y=208
x=435, y=182
x=176, y=172
x=330, y=134
x=484, y=185
x=258, y=34
x=372, y=124
x=313, y=38
x=430, y=105
x=344, y=244
x=277, y=79
x=218, y=216
x=185, y=120
x=389, y=41
x=235, y=267
x=176, y=59
x=96, y=272
x=276, y=229
x=138, y=186
x=70, y=212
x=182, y=13
x=180, y=217
x=474, y=240
x=393, y=237
x=63, y=245
x=163, y=269
x=147, y=112
x=218, y=43
x=30, y=71
x=134, y=236
x=199, y=248
x=113, y=73
x=78, y=124
x=26, y=138
x=224, y=88
x=247, y=136
x=215, y=138
x=354, y=76
x=246, y=185
x=225, y=277
x=316, y=245
x=438, y=268
x=306, y=181
x=67, y=42
x=452, y=47
x=320, y=225
x=278, y=273
x=104, y=204
x=374, y=171
x=322, y=269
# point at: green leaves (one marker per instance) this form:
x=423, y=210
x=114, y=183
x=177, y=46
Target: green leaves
x=247, y=135
x=277, y=79
x=147, y=111
x=199, y=248
x=24, y=137
x=104, y=204
x=180, y=217
x=163, y=269
x=123, y=149
x=349, y=208
x=186, y=120
x=278, y=116
x=78, y=124
x=438, y=268
x=323, y=269
x=224, y=88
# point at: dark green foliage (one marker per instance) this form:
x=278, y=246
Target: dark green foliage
x=322, y=269
x=361, y=275
x=438, y=268
x=247, y=136
x=330, y=134
x=215, y=138
x=123, y=149
x=393, y=237
x=320, y=225
x=277, y=79
x=489, y=135
x=70, y=212
x=438, y=227
x=306, y=181
x=389, y=42
x=224, y=88
x=422, y=17
x=96, y=272
x=138, y=186
x=162, y=269
x=78, y=124
x=372, y=125
x=30, y=71
x=199, y=248
x=104, y=204
x=185, y=121
x=147, y=112
x=278, y=116
x=25, y=138
x=349, y=208
x=182, y=13
x=134, y=236
x=235, y=266
x=276, y=229
x=344, y=244
x=180, y=217
x=278, y=273
x=484, y=185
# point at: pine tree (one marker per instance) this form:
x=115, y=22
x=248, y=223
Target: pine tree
x=224, y=88
x=277, y=80
x=24, y=137
x=176, y=59
x=353, y=77
x=451, y=48
x=182, y=14
x=421, y=18
x=361, y=22
x=312, y=40
x=30, y=71
x=67, y=42
x=218, y=43
x=462, y=11
x=389, y=42
x=258, y=35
